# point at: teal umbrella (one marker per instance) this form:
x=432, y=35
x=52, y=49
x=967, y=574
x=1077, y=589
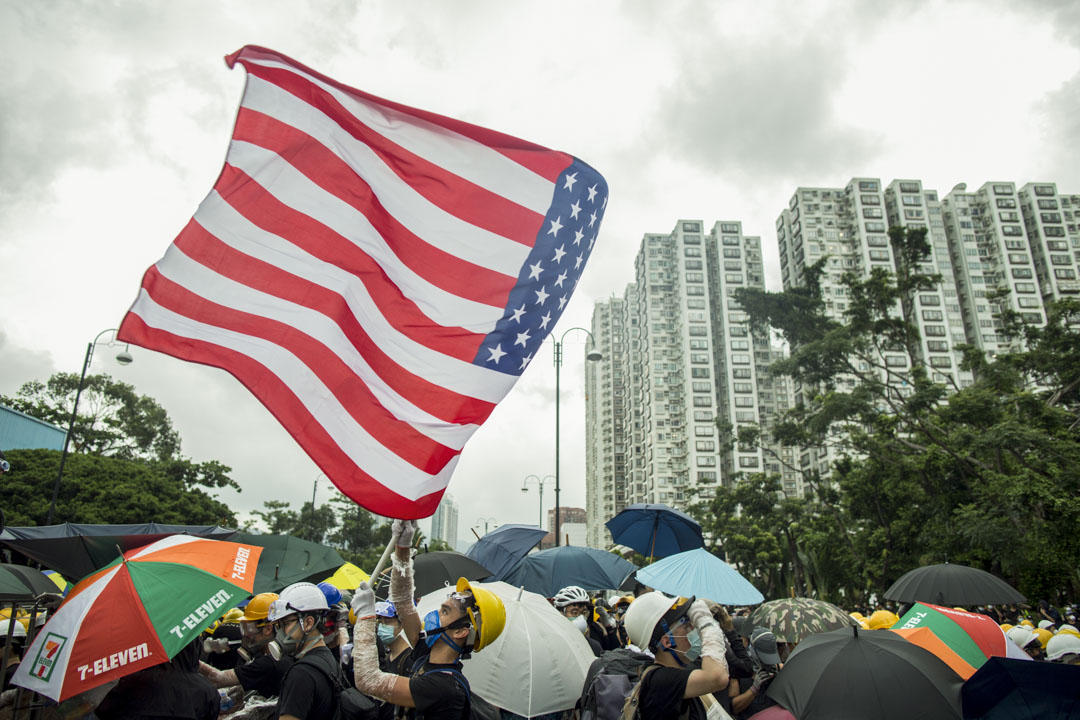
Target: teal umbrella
x=286, y=560
x=699, y=573
x=548, y=571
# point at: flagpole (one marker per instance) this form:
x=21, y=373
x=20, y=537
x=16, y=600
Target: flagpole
x=382, y=561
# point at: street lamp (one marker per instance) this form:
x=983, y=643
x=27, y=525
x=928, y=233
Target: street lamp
x=311, y=524
x=538, y=481
x=124, y=358
x=486, y=522
x=592, y=356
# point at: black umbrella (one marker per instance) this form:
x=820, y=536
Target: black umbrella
x=22, y=584
x=852, y=673
x=949, y=584
x=286, y=560
x=76, y=550
x=433, y=570
x=1006, y=688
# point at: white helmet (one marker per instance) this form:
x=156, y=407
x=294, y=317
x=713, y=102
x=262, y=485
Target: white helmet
x=570, y=595
x=1022, y=636
x=300, y=597
x=20, y=631
x=645, y=613
x=1062, y=644
x=1067, y=628
x=1045, y=624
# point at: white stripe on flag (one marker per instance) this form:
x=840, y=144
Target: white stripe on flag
x=458, y=154
x=419, y=215
x=295, y=190
x=363, y=450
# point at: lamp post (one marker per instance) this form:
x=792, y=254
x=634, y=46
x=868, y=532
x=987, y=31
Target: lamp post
x=591, y=356
x=311, y=523
x=124, y=358
x=540, y=483
x=486, y=522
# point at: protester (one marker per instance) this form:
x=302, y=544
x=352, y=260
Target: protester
x=1027, y=640
x=619, y=608
x=307, y=690
x=738, y=659
x=335, y=625
x=573, y=602
x=14, y=652
x=1049, y=612
x=1064, y=648
x=470, y=619
x=170, y=690
x=267, y=666
x=748, y=693
x=677, y=631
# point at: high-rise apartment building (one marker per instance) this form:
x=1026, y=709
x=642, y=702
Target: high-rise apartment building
x=678, y=355
x=444, y=523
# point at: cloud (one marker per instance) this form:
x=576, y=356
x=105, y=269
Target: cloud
x=19, y=365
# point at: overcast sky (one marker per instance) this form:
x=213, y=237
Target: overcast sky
x=115, y=117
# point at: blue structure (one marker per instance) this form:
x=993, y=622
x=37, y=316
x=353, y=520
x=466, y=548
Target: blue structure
x=21, y=431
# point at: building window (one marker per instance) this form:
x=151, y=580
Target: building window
x=932, y=315
x=872, y=212
x=1025, y=287
x=895, y=361
x=872, y=227
x=1003, y=190
x=706, y=461
x=705, y=446
x=1007, y=203
x=702, y=401
x=692, y=252
x=748, y=461
x=940, y=361
x=699, y=372
x=740, y=359
x=701, y=387
x=1023, y=273
x=744, y=402
x=934, y=330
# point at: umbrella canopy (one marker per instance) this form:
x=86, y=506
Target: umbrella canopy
x=699, y=573
x=348, y=577
x=793, y=619
x=286, y=560
x=949, y=584
x=655, y=530
x=22, y=584
x=537, y=665
x=139, y=611
x=76, y=550
x=503, y=548
x=852, y=673
x=1006, y=689
x=61, y=583
x=954, y=634
x=548, y=571
x=436, y=570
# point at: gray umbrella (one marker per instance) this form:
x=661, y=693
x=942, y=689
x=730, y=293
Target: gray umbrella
x=949, y=584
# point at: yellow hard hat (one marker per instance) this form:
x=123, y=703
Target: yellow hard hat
x=624, y=600
x=1044, y=636
x=487, y=613
x=1027, y=623
x=882, y=620
x=1006, y=627
x=258, y=607
x=863, y=624
x=857, y=615
x=233, y=616
x=960, y=609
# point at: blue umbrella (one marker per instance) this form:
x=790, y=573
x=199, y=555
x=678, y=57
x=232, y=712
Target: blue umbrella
x=700, y=573
x=655, y=530
x=548, y=571
x=502, y=548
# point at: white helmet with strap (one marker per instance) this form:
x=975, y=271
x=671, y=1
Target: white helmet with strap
x=301, y=597
x=570, y=595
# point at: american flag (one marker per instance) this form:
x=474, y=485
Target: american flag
x=378, y=276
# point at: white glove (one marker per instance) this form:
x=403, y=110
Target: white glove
x=700, y=616
x=363, y=602
x=403, y=531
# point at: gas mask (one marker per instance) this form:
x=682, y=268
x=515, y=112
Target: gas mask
x=294, y=638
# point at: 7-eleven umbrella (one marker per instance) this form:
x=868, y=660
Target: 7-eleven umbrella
x=963, y=640
x=139, y=611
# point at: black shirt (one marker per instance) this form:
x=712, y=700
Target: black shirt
x=438, y=695
x=662, y=693
x=306, y=691
x=264, y=675
x=160, y=691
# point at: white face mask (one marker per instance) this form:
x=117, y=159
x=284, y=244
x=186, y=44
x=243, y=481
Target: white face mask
x=580, y=624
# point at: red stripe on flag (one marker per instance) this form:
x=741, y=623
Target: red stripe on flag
x=400, y=312
x=443, y=270
x=456, y=195
x=283, y=404
x=354, y=395
x=547, y=163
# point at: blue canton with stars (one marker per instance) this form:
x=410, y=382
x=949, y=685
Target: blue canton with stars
x=550, y=274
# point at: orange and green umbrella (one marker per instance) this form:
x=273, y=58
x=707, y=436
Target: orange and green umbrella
x=139, y=611
x=961, y=639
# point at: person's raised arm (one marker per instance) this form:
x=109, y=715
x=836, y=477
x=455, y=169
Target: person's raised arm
x=713, y=675
x=402, y=589
x=367, y=676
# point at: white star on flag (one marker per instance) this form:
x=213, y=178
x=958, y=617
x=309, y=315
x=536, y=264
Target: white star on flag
x=556, y=226
x=496, y=354
x=541, y=296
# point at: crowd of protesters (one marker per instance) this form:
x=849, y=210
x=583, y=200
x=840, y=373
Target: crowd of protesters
x=315, y=652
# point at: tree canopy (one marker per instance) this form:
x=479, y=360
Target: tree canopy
x=986, y=475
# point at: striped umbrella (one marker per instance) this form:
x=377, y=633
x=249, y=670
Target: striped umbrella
x=963, y=640
x=139, y=611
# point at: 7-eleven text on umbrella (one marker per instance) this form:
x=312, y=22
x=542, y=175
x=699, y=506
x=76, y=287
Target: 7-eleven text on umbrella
x=115, y=660
x=217, y=600
x=239, y=570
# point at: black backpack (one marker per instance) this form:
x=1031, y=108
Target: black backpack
x=476, y=707
x=609, y=682
x=349, y=703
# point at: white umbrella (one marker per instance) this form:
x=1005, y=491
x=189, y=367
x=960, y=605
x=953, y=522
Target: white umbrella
x=538, y=663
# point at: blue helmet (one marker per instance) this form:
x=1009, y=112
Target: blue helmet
x=333, y=595
x=385, y=609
